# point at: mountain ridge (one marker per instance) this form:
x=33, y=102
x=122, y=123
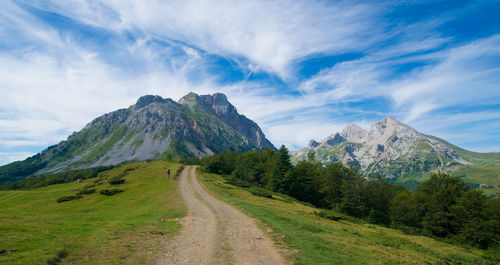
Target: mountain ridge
x=394, y=150
x=152, y=128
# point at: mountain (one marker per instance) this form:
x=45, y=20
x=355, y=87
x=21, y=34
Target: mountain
x=153, y=128
x=397, y=151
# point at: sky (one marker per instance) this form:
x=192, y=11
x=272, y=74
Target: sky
x=301, y=69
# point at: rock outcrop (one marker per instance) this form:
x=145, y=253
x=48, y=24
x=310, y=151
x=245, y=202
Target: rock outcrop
x=389, y=148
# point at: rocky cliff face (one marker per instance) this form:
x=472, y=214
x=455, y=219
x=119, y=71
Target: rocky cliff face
x=389, y=148
x=156, y=127
x=218, y=105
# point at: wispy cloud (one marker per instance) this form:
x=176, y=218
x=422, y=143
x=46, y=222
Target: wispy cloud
x=55, y=79
x=270, y=34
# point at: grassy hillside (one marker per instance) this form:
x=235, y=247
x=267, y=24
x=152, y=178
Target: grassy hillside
x=310, y=239
x=487, y=176
x=126, y=228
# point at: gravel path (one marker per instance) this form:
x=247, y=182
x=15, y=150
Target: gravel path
x=216, y=233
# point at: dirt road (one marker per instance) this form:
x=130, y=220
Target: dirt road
x=216, y=233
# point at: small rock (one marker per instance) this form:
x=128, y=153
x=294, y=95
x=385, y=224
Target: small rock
x=269, y=230
x=258, y=237
x=282, y=237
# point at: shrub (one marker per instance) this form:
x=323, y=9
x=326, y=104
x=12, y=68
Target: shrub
x=86, y=191
x=58, y=258
x=69, y=198
x=62, y=253
x=328, y=215
x=236, y=181
x=111, y=192
x=88, y=186
x=117, y=180
x=409, y=230
x=53, y=261
x=260, y=192
x=178, y=172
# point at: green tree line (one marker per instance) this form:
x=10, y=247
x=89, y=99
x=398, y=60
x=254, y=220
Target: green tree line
x=19, y=170
x=442, y=206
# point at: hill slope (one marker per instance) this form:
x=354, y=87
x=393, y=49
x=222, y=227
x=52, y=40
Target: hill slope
x=152, y=128
x=119, y=229
x=307, y=238
x=95, y=229
x=395, y=150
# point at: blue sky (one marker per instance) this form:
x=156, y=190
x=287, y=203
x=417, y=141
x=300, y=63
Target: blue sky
x=301, y=69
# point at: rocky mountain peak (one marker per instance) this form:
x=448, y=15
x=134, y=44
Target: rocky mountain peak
x=383, y=129
x=219, y=99
x=148, y=99
x=156, y=128
x=189, y=99
x=333, y=139
x=217, y=102
x=354, y=133
x=390, y=147
x=219, y=105
x=390, y=119
x=313, y=144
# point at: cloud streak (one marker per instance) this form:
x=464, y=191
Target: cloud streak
x=270, y=34
x=56, y=79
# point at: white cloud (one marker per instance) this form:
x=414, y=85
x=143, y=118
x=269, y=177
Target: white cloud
x=271, y=34
x=297, y=134
x=8, y=157
x=47, y=93
x=51, y=85
x=466, y=75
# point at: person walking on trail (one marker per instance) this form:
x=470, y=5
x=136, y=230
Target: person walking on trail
x=168, y=172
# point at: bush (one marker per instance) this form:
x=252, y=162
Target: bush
x=236, y=181
x=409, y=230
x=53, y=261
x=85, y=191
x=178, y=172
x=88, y=186
x=191, y=161
x=117, y=180
x=69, y=198
x=328, y=215
x=60, y=256
x=62, y=253
x=260, y=192
x=111, y=192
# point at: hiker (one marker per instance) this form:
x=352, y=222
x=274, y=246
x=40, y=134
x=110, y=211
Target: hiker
x=168, y=172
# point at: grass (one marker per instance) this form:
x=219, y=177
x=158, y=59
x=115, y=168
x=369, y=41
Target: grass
x=489, y=175
x=309, y=238
x=95, y=229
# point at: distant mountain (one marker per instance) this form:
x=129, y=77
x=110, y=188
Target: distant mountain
x=396, y=150
x=153, y=128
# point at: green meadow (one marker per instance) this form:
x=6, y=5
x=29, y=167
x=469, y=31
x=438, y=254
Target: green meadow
x=129, y=227
x=133, y=226
x=307, y=238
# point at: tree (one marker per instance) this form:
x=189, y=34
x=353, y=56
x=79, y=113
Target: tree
x=302, y=182
x=283, y=165
x=473, y=218
x=407, y=209
x=442, y=192
x=311, y=157
x=330, y=184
